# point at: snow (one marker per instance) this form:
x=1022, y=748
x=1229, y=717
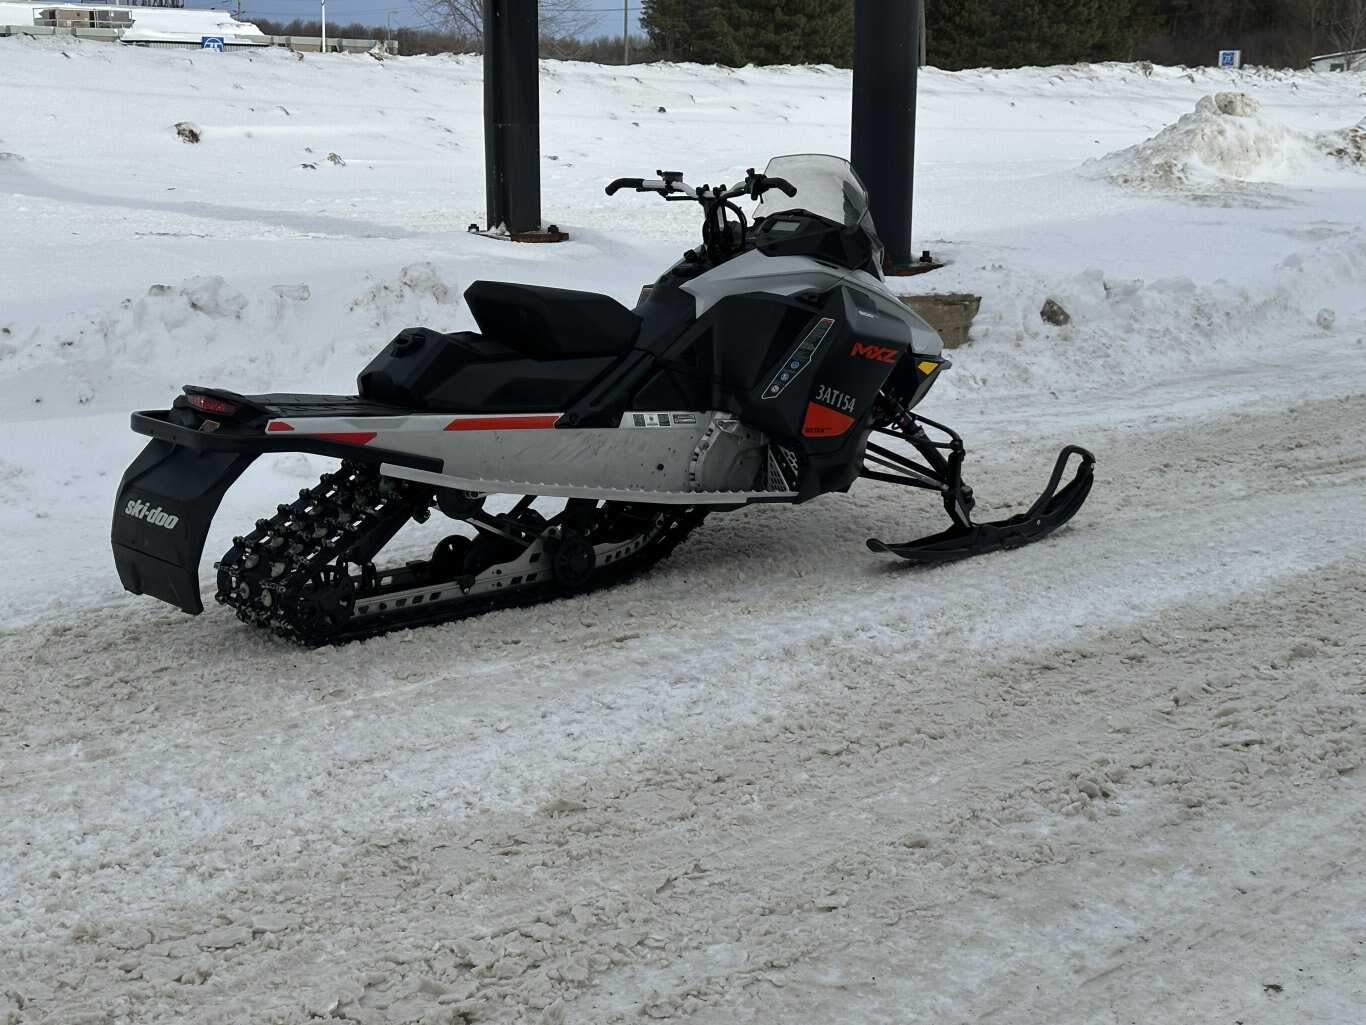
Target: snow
x=1115, y=776
x=1225, y=143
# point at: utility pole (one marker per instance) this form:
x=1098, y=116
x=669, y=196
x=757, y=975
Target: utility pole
x=625, y=33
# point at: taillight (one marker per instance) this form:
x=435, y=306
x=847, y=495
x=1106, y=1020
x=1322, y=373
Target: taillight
x=209, y=404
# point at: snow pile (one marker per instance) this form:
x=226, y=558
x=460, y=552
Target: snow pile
x=1347, y=145
x=1225, y=144
x=205, y=329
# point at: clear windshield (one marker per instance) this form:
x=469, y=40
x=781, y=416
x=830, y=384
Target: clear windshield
x=826, y=186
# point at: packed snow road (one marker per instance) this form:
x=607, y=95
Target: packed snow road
x=1112, y=774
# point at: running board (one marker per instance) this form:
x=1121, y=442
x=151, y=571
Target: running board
x=509, y=487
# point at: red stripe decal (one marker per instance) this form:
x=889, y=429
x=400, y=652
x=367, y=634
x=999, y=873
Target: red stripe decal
x=349, y=437
x=503, y=423
x=277, y=425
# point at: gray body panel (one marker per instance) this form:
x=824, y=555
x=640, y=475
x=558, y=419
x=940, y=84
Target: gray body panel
x=684, y=458
x=794, y=275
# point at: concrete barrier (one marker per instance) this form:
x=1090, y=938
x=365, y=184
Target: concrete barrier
x=949, y=313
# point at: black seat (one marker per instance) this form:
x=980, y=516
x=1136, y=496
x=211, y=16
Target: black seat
x=467, y=372
x=552, y=322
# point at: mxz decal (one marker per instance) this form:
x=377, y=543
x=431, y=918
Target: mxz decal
x=876, y=352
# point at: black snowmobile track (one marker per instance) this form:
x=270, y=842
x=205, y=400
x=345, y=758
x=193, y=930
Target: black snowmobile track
x=306, y=574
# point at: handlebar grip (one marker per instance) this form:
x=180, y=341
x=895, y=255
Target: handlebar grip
x=625, y=183
x=782, y=185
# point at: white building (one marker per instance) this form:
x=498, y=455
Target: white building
x=1348, y=60
x=160, y=23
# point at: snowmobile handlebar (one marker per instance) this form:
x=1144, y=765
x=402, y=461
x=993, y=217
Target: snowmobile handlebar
x=721, y=239
x=668, y=181
x=757, y=184
x=629, y=183
x=754, y=186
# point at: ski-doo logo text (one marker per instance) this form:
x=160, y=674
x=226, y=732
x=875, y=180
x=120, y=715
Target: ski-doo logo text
x=874, y=352
x=140, y=510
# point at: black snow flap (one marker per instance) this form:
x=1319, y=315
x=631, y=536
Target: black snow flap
x=165, y=504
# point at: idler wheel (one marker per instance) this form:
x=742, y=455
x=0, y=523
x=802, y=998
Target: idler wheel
x=573, y=563
x=459, y=504
x=448, y=560
x=325, y=601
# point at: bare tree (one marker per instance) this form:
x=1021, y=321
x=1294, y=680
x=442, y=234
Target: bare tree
x=1336, y=26
x=1347, y=32
x=1311, y=14
x=464, y=19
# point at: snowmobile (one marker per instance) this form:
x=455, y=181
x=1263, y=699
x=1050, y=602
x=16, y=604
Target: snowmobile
x=769, y=364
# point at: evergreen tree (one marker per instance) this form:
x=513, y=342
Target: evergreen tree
x=1017, y=33
x=739, y=32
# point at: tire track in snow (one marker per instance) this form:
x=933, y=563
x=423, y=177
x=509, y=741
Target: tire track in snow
x=667, y=885
x=979, y=824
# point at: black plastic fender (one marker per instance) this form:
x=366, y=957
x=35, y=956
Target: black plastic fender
x=165, y=503
x=169, y=495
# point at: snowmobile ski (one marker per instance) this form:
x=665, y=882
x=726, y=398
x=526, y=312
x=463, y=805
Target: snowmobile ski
x=965, y=538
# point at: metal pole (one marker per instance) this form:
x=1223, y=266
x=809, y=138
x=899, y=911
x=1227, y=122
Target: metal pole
x=922, y=61
x=323, y=4
x=512, y=115
x=882, y=136
x=625, y=33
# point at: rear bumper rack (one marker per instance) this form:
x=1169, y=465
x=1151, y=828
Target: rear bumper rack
x=156, y=424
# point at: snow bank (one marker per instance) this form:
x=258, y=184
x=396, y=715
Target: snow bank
x=1226, y=143
x=1126, y=331
x=204, y=329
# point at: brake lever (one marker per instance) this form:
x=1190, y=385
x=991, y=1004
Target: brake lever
x=754, y=183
